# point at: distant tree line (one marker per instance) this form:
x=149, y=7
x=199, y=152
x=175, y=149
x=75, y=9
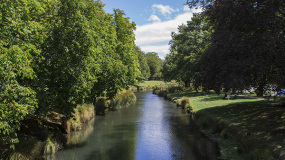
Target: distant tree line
x=57, y=54
x=232, y=44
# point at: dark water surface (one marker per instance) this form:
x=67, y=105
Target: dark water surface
x=151, y=129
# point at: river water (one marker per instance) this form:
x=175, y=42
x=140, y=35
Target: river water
x=151, y=129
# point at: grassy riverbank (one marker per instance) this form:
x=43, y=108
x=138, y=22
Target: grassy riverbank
x=256, y=126
x=150, y=85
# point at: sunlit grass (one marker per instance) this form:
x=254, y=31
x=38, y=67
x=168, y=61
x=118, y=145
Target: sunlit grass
x=209, y=100
x=260, y=120
x=152, y=83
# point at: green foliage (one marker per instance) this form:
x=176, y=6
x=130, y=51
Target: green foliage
x=50, y=146
x=154, y=63
x=243, y=50
x=144, y=68
x=185, y=102
x=81, y=114
x=184, y=63
x=124, y=99
x=17, y=98
x=59, y=54
x=29, y=148
x=126, y=45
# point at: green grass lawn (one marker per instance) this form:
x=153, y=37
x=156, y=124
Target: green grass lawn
x=152, y=83
x=210, y=99
x=261, y=118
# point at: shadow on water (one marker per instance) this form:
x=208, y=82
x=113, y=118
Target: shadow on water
x=150, y=129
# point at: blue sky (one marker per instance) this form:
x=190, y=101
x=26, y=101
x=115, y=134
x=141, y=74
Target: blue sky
x=155, y=20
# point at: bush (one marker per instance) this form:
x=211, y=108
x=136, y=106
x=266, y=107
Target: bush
x=86, y=112
x=178, y=103
x=81, y=114
x=185, y=102
x=163, y=93
x=50, y=146
x=28, y=148
x=174, y=89
x=260, y=154
x=124, y=99
x=101, y=104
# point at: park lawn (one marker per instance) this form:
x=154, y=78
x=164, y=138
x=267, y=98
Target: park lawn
x=264, y=120
x=151, y=83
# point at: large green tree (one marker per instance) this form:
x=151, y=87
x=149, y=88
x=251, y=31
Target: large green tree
x=58, y=54
x=154, y=63
x=143, y=67
x=247, y=43
x=72, y=55
x=20, y=29
x=126, y=45
x=188, y=46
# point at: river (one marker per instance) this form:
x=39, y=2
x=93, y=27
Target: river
x=150, y=129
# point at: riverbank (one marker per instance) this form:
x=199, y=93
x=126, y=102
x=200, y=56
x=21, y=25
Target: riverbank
x=150, y=85
x=246, y=127
x=45, y=135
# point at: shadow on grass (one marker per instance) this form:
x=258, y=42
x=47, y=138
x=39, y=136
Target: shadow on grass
x=261, y=118
x=210, y=96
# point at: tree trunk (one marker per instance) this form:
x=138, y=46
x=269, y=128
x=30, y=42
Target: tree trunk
x=260, y=91
x=187, y=83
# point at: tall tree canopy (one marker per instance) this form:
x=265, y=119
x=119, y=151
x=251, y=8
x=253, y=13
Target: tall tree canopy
x=247, y=44
x=126, y=45
x=187, y=48
x=58, y=54
x=154, y=63
x=144, y=68
x=20, y=29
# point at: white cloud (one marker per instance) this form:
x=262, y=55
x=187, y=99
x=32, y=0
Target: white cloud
x=162, y=50
x=160, y=31
x=186, y=8
x=154, y=37
x=198, y=10
x=164, y=10
x=154, y=18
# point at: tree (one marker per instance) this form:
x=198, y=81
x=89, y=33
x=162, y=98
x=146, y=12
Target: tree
x=18, y=32
x=154, y=63
x=143, y=67
x=126, y=45
x=188, y=46
x=247, y=43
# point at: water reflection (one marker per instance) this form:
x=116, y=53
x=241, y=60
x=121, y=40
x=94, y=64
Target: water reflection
x=151, y=129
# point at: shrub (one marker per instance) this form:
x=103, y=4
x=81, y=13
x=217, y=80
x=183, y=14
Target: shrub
x=174, y=89
x=178, y=103
x=185, y=102
x=101, y=104
x=124, y=99
x=260, y=154
x=81, y=114
x=86, y=112
x=50, y=146
x=163, y=93
x=28, y=148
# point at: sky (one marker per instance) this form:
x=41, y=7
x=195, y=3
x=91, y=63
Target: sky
x=155, y=20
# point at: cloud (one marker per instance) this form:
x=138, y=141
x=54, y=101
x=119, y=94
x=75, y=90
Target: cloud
x=198, y=10
x=154, y=37
x=160, y=31
x=164, y=10
x=162, y=50
x=186, y=8
x=154, y=18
